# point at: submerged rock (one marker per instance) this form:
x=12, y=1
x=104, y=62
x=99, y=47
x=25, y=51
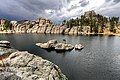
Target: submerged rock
x=19, y=65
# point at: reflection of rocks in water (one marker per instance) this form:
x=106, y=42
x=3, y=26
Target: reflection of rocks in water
x=49, y=49
x=17, y=65
x=64, y=52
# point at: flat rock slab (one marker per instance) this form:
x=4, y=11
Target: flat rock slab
x=4, y=44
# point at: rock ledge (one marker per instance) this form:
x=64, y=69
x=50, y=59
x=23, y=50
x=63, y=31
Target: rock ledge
x=17, y=65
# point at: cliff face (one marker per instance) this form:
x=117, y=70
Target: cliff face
x=90, y=13
x=39, y=26
x=17, y=65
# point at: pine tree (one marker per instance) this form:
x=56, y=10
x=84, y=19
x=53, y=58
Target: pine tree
x=95, y=26
x=7, y=25
x=112, y=24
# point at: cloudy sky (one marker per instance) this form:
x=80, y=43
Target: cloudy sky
x=56, y=10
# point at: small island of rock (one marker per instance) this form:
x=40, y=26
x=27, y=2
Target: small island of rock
x=53, y=44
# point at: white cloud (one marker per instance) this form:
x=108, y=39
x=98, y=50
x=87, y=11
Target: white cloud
x=49, y=11
x=74, y=8
x=57, y=10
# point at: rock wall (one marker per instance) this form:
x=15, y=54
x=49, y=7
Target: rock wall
x=21, y=65
x=40, y=26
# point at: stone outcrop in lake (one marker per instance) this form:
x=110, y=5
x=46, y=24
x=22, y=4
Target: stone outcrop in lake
x=48, y=45
x=63, y=47
x=79, y=46
x=54, y=45
x=4, y=44
x=21, y=65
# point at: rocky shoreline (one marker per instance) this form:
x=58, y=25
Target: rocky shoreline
x=21, y=65
x=89, y=23
x=67, y=27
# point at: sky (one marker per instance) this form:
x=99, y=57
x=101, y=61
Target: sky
x=56, y=10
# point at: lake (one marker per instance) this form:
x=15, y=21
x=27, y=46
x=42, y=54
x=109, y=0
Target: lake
x=99, y=60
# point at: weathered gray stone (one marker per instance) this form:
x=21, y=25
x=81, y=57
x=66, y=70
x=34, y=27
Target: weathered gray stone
x=79, y=46
x=4, y=44
x=64, y=47
x=19, y=65
x=30, y=67
x=49, y=44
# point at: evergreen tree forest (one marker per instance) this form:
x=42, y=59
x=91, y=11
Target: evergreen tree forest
x=96, y=22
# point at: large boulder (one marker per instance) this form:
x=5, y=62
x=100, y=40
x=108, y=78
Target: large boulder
x=63, y=47
x=19, y=65
x=50, y=44
x=44, y=45
x=79, y=46
x=54, y=45
x=4, y=44
x=52, y=41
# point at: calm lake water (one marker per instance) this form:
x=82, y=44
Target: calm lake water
x=99, y=60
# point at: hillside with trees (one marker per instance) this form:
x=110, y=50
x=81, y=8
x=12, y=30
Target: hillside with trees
x=98, y=23
x=89, y=23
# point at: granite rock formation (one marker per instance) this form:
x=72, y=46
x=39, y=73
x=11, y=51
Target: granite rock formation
x=41, y=25
x=21, y=65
